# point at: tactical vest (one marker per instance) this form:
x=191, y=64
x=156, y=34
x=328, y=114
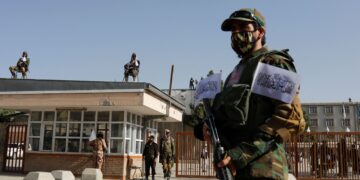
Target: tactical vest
x=167, y=146
x=238, y=112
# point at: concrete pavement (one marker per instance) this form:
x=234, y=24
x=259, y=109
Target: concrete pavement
x=14, y=176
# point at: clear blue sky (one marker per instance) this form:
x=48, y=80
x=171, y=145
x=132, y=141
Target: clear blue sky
x=92, y=40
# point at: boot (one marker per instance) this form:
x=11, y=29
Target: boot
x=153, y=177
x=146, y=177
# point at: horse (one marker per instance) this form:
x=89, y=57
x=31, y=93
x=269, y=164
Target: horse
x=18, y=69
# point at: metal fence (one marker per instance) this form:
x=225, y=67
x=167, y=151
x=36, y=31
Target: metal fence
x=333, y=155
x=14, y=148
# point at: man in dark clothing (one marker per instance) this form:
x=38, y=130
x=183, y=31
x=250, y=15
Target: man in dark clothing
x=149, y=155
x=191, y=83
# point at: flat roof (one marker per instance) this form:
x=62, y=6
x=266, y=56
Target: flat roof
x=9, y=86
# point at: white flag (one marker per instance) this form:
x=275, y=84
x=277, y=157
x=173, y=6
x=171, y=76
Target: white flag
x=344, y=113
x=208, y=88
x=347, y=129
x=276, y=83
x=92, y=136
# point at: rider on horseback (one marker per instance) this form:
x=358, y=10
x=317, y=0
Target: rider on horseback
x=132, y=68
x=22, y=66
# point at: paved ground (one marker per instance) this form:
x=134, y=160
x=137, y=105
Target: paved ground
x=20, y=177
x=159, y=175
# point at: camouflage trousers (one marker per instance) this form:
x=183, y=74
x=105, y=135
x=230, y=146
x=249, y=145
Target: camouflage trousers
x=168, y=163
x=16, y=69
x=99, y=157
x=131, y=72
x=260, y=158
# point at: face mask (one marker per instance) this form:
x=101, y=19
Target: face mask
x=242, y=42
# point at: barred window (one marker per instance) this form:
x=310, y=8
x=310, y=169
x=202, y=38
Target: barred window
x=345, y=122
x=347, y=110
x=312, y=110
x=313, y=122
x=328, y=109
x=329, y=122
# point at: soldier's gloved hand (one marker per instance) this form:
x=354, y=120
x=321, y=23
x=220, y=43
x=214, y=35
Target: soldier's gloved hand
x=227, y=162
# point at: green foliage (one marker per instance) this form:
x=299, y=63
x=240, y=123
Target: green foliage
x=5, y=115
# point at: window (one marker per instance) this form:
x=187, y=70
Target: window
x=329, y=122
x=60, y=129
x=74, y=130
x=89, y=116
x=313, y=122
x=347, y=110
x=62, y=116
x=34, y=131
x=345, y=122
x=34, y=144
x=49, y=116
x=117, y=146
x=75, y=116
x=103, y=116
x=117, y=116
x=86, y=132
x=36, y=116
x=73, y=145
x=60, y=145
x=48, y=136
x=69, y=131
x=117, y=130
x=312, y=110
x=328, y=109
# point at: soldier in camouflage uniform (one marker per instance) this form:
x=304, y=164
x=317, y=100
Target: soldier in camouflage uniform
x=167, y=153
x=99, y=146
x=252, y=127
x=22, y=66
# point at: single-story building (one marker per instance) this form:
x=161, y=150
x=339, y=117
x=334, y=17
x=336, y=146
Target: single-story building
x=61, y=114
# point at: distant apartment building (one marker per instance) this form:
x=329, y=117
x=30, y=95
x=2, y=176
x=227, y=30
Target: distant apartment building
x=333, y=116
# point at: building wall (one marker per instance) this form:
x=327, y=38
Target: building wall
x=337, y=115
x=115, y=166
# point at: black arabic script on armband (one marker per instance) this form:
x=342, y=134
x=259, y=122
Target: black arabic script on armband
x=210, y=86
x=275, y=82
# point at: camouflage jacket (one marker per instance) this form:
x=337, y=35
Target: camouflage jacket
x=167, y=147
x=254, y=153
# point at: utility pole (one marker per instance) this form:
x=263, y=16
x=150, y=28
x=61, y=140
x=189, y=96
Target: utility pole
x=171, y=78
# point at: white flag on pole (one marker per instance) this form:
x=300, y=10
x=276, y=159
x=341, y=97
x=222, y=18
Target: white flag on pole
x=208, y=88
x=92, y=135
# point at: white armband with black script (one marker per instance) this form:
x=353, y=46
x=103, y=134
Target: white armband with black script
x=275, y=83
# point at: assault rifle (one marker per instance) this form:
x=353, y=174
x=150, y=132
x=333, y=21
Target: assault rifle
x=223, y=173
